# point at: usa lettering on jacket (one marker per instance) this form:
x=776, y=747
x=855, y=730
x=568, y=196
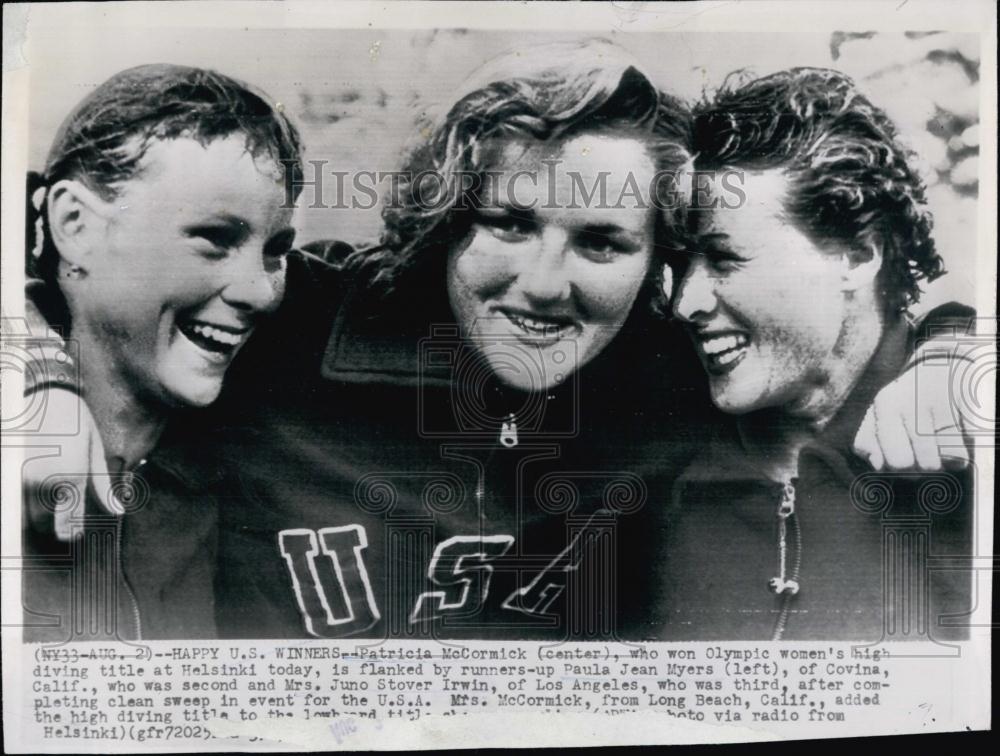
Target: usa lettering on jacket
x=334, y=593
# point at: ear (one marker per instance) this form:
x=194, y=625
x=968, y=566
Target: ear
x=76, y=221
x=861, y=266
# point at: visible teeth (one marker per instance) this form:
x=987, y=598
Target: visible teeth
x=718, y=344
x=540, y=326
x=216, y=334
x=727, y=358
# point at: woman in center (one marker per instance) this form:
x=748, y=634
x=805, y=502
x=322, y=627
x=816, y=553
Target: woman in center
x=462, y=453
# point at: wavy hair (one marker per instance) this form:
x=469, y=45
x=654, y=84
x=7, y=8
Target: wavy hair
x=548, y=92
x=851, y=180
x=102, y=142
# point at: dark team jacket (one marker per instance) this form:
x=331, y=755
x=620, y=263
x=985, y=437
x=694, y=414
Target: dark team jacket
x=381, y=483
x=144, y=575
x=876, y=556
x=372, y=480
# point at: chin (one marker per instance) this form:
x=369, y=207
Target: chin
x=196, y=394
x=523, y=382
x=521, y=370
x=732, y=402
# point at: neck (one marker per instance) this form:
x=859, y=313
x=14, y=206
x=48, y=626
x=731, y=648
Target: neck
x=780, y=434
x=773, y=438
x=856, y=345
x=129, y=427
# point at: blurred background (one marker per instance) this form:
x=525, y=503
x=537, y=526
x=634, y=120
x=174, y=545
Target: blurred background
x=357, y=96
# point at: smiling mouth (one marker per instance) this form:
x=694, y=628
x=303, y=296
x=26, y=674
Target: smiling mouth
x=219, y=341
x=722, y=352
x=539, y=329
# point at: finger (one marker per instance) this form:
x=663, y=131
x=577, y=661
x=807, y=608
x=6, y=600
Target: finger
x=877, y=460
x=954, y=446
x=866, y=444
x=955, y=458
x=893, y=440
x=67, y=520
x=925, y=446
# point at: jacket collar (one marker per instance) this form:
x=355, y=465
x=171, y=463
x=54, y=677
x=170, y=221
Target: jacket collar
x=179, y=452
x=388, y=346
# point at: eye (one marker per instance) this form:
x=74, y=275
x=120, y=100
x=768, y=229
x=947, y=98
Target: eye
x=507, y=224
x=215, y=241
x=724, y=264
x=723, y=260
x=603, y=246
x=717, y=249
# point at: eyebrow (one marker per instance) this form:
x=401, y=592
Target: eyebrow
x=231, y=220
x=714, y=235
x=698, y=248
x=607, y=229
x=234, y=224
x=501, y=205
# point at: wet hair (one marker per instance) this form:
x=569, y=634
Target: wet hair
x=103, y=141
x=851, y=180
x=550, y=92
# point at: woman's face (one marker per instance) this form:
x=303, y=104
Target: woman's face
x=561, y=243
x=765, y=305
x=190, y=256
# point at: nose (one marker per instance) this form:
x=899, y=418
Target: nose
x=544, y=278
x=695, y=298
x=255, y=283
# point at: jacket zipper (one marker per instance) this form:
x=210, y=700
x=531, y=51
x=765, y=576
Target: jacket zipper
x=508, y=431
x=133, y=601
x=784, y=585
x=508, y=439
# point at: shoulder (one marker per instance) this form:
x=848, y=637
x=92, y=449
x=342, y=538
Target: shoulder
x=947, y=319
x=332, y=252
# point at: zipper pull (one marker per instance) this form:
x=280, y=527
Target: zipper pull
x=786, y=508
x=508, y=432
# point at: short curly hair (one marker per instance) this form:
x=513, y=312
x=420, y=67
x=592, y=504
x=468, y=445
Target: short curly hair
x=551, y=91
x=851, y=180
x=103, y=140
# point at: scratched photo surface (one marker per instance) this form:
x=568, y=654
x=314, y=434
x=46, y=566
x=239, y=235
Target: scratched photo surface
x=453, y=334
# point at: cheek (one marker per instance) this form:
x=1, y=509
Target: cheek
x=608, y=291
x=278, y=282
x=815, y=307
x=482, y=266
x=768, y=300
x=798, y=339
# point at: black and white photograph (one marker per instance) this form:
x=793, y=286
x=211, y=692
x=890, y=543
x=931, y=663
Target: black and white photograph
x=554, y=350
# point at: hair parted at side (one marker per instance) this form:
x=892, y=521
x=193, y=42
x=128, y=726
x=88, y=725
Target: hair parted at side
x=103, y=140
x=851, y=179
x=547, y=92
